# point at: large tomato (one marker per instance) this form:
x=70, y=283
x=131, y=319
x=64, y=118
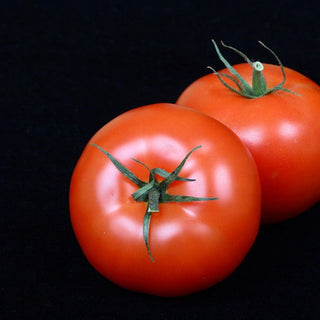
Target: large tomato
x=281, y=128
x=193, y=244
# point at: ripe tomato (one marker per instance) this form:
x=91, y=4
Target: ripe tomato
x=281, y=130
x=194, y=244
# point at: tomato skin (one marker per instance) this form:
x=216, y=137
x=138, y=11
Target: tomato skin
x=281, y=130
x=195, y=245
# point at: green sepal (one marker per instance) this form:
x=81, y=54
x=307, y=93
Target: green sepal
x=162, y=173
x=146, y=228
x=174, y=174
x=177, y=198
x=125, y=171
x=245, y=87
x=142, y=193
x=154, y=192
x=259, y=87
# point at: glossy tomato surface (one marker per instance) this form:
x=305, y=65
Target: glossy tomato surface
x=194, y=244
x=281, y=130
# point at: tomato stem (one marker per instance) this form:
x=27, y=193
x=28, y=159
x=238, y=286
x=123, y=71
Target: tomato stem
x=154, y=192
x=153, y=200
x=259, y=86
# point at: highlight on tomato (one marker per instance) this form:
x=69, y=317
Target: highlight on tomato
x=165, y=200
x=275, y=111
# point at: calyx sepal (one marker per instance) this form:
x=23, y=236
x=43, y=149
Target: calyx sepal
x=154, y=192
x=259, y=86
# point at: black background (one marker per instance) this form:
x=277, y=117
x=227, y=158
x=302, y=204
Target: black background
x=67, y=68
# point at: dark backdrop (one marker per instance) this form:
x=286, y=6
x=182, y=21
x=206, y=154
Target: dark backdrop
x=67, y=68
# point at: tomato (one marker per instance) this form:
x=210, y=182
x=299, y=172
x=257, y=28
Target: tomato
x=193, y=244
x=281, y=128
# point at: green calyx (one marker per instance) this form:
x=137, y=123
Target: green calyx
x=259, y=87
x=154, y=192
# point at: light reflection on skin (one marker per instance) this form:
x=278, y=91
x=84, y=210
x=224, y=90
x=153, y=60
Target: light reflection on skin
x=122, y=224
x=222, y=176
x=109, y=191
x=151, y=146
x=288, y=130
x=190, y=212
x=252, y=136
x=256, y=136
x=170, y=230
x=197, y=188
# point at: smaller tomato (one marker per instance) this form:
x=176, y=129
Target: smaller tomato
x=275, y=111
x=152, y=241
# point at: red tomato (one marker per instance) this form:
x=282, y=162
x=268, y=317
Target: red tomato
x=281, y=130
x=194, y=244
